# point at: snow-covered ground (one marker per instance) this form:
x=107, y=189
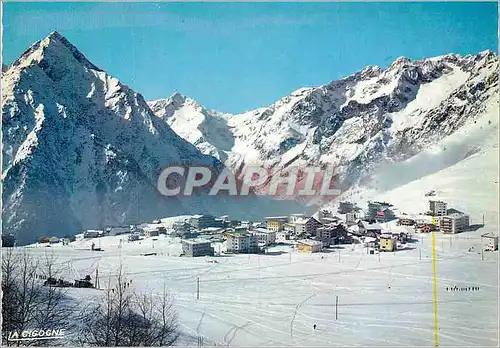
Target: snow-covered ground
x=275, y=299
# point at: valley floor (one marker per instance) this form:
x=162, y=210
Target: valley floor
x=275, y=299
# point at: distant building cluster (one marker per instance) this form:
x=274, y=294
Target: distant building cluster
x=306, y=233
x=438, y=218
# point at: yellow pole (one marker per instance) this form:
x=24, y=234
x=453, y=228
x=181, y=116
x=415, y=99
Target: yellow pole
x=435, y=288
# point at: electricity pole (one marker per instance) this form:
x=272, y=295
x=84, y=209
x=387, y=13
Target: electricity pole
x=336, y=307
x=198, y=288
x=97, y=278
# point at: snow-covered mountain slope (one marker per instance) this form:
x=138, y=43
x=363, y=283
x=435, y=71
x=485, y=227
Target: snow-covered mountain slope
x=463, y=170
x=206, y=129
x=367, y=120
x=82, y=150
x=470, y=186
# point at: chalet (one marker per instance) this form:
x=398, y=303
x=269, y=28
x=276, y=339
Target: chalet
x=354, y=231
x=117, y=230
x=387, y=243
x=490, y=242
x=92, y=234
x=405, y=220
x=426, y=228
x=151, y=233
x=54, y=240
x=367, y=228
x=375, y=209
x=312, y=225
x=308, y=245
x=345, y=207
x=385, y=214
x=133, y=237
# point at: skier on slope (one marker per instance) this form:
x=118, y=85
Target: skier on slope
x=314, y=326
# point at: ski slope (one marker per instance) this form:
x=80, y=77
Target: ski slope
x=275, y=299
x=462, y=169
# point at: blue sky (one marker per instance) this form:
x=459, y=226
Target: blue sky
x=238, y=56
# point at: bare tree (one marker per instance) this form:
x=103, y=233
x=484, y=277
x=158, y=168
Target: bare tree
x=26, y=303
x=125, y=317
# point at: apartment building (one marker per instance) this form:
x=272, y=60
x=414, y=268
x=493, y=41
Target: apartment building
x=331, y=234
x=351, y=218
x=325, y=235
x=454, y=223
x=289, y=227
x=241, y=243
x=300, y=226
x=283, y=236
x=276, y=223
x=312, y=225
x=295, y=217
x=194, y=248
x=437, y=208
x=264, y=236
x=345, y=207
x=203, y=221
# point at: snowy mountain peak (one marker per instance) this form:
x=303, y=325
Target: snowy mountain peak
x=487, y=53
x=54, y=49
x=178, y=98
x=166, y=108
x=400, y=61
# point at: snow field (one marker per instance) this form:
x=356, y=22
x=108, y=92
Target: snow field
x=274, y=299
